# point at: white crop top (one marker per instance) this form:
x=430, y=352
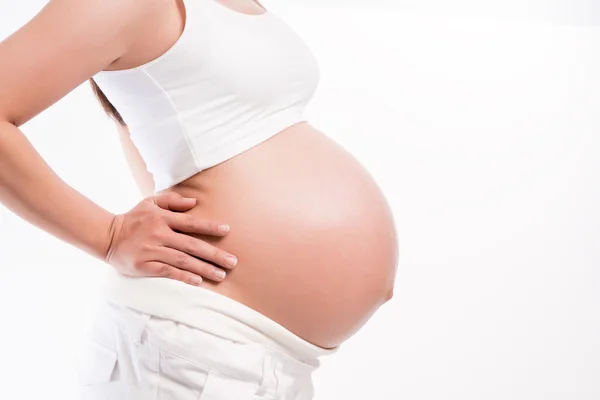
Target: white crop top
x=230, y=82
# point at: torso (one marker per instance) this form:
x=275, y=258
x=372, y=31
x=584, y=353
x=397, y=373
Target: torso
x=313, y=233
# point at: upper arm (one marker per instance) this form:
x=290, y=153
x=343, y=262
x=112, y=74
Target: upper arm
x=65, y=44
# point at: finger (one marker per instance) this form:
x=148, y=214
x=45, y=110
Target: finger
x=174, y=202
x=190, y=224
x=160, y=269
x=186, y=262
x=199, y=248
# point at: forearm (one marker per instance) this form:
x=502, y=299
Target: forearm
x=33, y=191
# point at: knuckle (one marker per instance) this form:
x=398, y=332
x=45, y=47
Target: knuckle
x=164, y=270
x=137, y=266
x=159, y=218
x=207, y=251
x=165, y=196
x=162, y=196
x=178, y=276
x=190, y=246
x=202, y=269
x=138, y=263
x=153, y=220
x=189, y=222
x=216, y=254
x=182, y=260
x=159, y=235
x=146, y=247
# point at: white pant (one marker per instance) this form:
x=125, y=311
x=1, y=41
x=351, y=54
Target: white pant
x=131, y=355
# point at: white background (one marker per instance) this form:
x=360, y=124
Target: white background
x=480, y=122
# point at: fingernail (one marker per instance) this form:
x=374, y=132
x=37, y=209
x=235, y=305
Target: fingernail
x=220, y=274
x=196, y=280
x=224, y=228
x=231, y=260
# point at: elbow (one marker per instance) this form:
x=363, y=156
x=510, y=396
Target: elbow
x=14, y=121
x=11, y=115
x=6, y=127
x=5, y=119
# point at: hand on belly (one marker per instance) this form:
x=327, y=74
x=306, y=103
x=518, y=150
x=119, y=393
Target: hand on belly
x=314, y=236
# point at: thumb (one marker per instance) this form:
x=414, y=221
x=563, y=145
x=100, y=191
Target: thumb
x=174, y=202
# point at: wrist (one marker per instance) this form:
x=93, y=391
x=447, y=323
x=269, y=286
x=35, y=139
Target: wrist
x=112, y=233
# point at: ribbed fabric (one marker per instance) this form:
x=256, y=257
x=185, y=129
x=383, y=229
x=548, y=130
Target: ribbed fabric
x=209, y=311
x=230, y=82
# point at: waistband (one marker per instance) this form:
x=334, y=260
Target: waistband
x=209, y=311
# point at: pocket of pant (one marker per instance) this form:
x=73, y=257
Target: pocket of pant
x=183, y=379
x=178, y=377
x=97, y=363
x=219, y=386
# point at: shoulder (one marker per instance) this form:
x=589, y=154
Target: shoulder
x=64, y=44
x=104, y=18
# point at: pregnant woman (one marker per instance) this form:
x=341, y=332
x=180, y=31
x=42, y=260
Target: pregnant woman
x=208, y=97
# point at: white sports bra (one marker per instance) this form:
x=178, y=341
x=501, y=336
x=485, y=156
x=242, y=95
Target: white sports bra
x=230, y=82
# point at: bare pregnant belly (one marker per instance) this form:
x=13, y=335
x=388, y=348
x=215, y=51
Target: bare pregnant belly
x=314, y=236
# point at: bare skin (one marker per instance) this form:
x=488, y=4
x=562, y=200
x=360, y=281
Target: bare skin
x=314, y=235
x=66, y=43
